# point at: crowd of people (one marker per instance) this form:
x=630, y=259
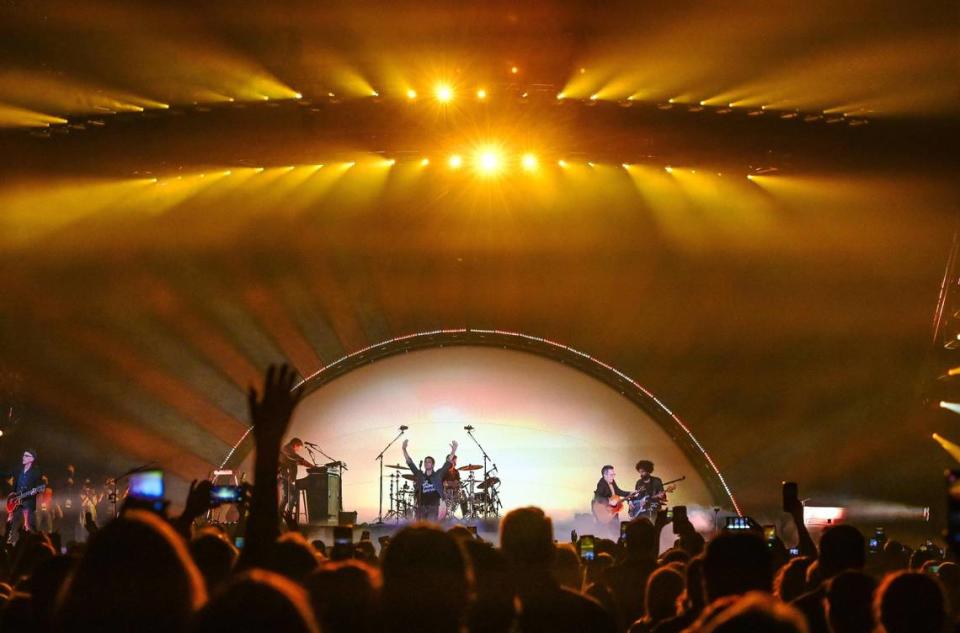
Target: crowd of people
x=145, y=571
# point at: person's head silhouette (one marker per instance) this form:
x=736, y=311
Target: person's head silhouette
x=735, y=564
x=136, y=575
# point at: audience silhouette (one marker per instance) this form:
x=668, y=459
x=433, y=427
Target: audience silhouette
x=146, y=572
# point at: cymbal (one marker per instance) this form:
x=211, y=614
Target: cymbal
x=410, y=477
x=488, y=482
x=397, y=466
x=471, y=467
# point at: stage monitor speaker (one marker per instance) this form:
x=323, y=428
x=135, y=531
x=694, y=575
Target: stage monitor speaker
x=323, y=496
x=347, y=518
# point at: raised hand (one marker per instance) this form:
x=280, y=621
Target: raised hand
x=404, y=445
x=198, y=499
x=453, y=447
x=271, y=413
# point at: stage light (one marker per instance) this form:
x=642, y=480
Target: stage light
x=411, y=94
x=625, y=165
x=258, y=169
x=562, y=163
x=514, y=70
x=391, y=162
x=750, y=177
x=443, y=93
x=481, y=94
x=954, y=372
x=668, y=169
x=560, y=95
x=455, y=161
x=331, y=95
x=488, y=161
x=951, y=448
x=424, y=162
x=297, y=95
x=594, y=96
x=950, y=406
x=529, y=162
x=374, y=93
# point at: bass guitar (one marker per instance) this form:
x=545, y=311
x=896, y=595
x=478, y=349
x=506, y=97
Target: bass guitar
x=14, y=499
x=639, y=505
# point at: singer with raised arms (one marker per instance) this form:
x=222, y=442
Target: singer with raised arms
x=428, y=482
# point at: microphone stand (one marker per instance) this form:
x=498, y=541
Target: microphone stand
x=486, y=458
x=380, y=458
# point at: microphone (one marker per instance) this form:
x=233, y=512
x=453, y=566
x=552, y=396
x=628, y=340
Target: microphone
x=404, y=427
x=312, y=444
x=468, y=428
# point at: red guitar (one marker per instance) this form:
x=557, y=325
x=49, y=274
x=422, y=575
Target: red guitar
x=14, y=499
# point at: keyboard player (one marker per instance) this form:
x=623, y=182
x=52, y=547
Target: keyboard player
x=290, y=459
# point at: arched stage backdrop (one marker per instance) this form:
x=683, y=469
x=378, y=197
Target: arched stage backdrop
x=549, y=416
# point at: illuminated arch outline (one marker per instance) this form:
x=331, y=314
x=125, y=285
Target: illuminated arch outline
x=611, y=376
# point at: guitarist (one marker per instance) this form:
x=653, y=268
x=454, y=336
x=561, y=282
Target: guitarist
x=609, y=492
x=26, y=478
x=650, y=487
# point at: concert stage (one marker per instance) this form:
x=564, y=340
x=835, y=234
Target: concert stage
x=545, y=416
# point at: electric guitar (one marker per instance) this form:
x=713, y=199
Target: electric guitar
x=639, y=505
x=14, y=499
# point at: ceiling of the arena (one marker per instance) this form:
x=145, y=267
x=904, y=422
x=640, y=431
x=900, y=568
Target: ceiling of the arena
x=745, y=206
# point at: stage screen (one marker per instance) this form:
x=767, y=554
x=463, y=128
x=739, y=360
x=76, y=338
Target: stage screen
x=548, y=427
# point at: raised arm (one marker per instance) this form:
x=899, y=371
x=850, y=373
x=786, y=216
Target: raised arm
x=805, y=545
x=406, y=456
x=270, y=415
x=448, y=462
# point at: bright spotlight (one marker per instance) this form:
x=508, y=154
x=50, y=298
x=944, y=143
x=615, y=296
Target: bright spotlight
x=668, y=169
x=424, y=162
x=950, y=406
x=297, y=95
x=529, y=162
x=455, y=162
x=514, y=70
x=488, y=161
x=481, y=94
x=411, y=94
x=444, y=93
x=562, y=163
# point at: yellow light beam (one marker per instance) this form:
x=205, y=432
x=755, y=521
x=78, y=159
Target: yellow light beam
x=948, y=446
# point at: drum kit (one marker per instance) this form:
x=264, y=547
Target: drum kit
x=471, y=499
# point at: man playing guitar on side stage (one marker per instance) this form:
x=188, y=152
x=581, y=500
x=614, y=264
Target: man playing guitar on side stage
x=27, y=478
x=648, y=491
x=428, y=482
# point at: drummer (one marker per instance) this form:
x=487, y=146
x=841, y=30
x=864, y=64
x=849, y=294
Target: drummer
x=451, y=484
